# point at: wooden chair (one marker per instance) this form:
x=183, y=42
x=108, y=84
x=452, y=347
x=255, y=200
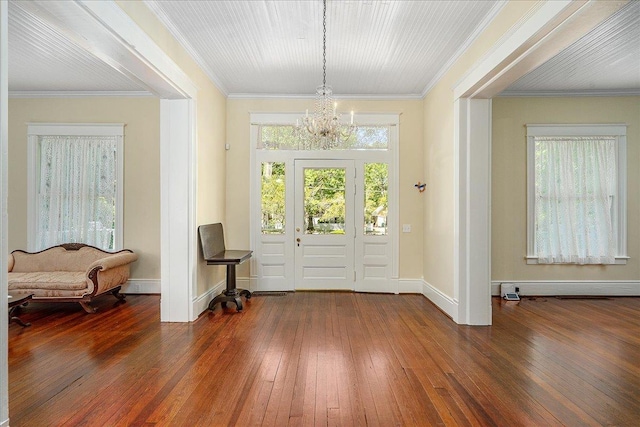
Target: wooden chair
x=215, y=253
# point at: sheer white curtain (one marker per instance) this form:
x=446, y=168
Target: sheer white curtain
x=575, y=187
x=77, y=190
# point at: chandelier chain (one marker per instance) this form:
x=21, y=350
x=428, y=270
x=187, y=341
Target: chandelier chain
x=323, y=129
x=324, y=44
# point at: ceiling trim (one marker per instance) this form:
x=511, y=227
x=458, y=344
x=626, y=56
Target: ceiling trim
x=193, y=53
x=131, y=50
x=309, y=96
x=568, y=93
x=77, y=94
x=495, y=10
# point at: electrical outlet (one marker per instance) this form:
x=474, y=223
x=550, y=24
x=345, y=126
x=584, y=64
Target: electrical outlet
x=406, y=228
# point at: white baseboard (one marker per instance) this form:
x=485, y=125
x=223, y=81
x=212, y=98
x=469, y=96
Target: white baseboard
x=445, y=303
x=142, y=286
x=572, y=287
x=410, y=286
x=245, y=283
x=201, y=303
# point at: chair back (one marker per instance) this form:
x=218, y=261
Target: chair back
x=211, y=240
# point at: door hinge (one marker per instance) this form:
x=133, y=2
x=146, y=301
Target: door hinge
x=354, y=275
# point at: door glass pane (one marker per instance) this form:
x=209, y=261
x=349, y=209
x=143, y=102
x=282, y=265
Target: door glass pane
x=376, y=191
x=272, y=191
x=324, y=201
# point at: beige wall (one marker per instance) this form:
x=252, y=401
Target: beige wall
x=141, y=166
x=211, y=131
x=238, y=163
x=509, y=183
x=439, y=234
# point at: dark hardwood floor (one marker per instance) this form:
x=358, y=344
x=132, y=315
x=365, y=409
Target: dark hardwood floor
x=327, y=359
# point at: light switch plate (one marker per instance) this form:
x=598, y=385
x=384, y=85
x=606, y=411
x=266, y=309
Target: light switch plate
x=406, y=228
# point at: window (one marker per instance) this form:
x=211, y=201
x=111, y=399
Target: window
x=376, y=192
x=273, y=197
x=75, y=175
x=324, y=200
x=576, y=194
x=284, y=137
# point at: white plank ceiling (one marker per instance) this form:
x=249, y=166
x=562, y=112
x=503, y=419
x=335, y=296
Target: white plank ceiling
x=375, y=48
x=275, y=47
x=43, y=59
x=606, y=60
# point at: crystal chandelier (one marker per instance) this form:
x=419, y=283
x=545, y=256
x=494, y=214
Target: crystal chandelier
x=323, y=130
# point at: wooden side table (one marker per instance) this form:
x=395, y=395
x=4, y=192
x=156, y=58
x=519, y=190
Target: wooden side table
x=15, y=301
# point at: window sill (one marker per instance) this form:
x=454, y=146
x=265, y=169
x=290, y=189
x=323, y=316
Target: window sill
x=620, y=260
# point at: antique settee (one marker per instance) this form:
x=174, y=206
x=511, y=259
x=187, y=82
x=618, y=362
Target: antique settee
x=71, y=272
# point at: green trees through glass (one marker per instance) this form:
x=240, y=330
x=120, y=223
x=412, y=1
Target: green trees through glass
x=324, y=203
x=376, y=193
x=273, y=197
x=324, y=200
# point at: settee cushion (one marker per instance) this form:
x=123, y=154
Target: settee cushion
x=49, y=284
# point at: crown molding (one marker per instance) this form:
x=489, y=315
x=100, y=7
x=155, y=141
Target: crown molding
x=567, y=93
x=173, y=30
x=336, y=97
x=501, y=41
x=77, y=94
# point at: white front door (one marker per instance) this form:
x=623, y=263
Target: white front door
x=324, y=224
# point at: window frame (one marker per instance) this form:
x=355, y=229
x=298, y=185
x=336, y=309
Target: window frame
x=619, y=131
x=37, y=130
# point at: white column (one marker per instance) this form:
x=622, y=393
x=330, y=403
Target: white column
x=472, y=257
x=4, y=249
x=177, y=205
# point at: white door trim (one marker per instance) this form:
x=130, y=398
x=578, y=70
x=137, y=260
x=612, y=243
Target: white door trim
x=4, y=248
x=178, y=244
x=472, y=212
x=553, y=26
x=109, y=33
x=124, y=45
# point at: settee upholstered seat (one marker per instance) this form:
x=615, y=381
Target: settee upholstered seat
x=47, y=285
x=72, y=272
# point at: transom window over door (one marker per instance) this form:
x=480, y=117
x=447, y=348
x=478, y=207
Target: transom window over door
x=75, y=185
x=576, y=194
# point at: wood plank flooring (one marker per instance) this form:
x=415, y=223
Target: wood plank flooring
x=314, y=358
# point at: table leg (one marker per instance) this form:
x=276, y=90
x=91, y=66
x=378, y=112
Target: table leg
x=232, y=294
x=16, y=319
